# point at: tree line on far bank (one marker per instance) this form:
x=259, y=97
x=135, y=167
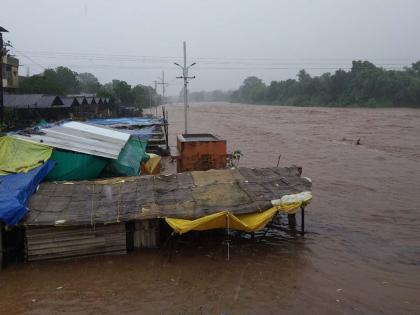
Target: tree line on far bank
x=364, y=85
x=64, y=81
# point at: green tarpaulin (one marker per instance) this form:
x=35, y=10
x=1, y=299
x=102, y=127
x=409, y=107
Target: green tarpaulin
x=75, y=166
x=19, y=156
x=128, y=162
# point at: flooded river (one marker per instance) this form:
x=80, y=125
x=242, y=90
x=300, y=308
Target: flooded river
x=361, y=254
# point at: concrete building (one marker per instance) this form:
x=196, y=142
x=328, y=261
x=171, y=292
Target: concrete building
x=10, y=73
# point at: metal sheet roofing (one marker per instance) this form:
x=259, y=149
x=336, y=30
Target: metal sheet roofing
x=81, y=137
x=31, y=101
x=81, y=99
x=69, y=101
x=91, y=100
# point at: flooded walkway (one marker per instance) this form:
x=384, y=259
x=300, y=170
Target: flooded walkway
x=361, y=253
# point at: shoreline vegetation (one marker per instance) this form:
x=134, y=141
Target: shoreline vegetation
x=364, y=85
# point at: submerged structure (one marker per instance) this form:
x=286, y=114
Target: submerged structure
x=61, y=185
x=85, y=212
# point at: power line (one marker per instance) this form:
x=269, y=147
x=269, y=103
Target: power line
x=29, y=58
x=228, y=64
x=135, y=57
x=159, y=67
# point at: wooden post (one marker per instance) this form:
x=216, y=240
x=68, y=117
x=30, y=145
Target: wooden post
x=292, y=221
x=1, y=246
x=302, y=224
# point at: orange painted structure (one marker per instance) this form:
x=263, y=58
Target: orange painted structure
x=200, y=152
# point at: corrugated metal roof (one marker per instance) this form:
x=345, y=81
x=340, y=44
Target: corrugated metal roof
x=81, y=99
x=68, y=101
x=81, y=137
x=107, y=132
x=31, y=101
x=91, y=100
x=25, y=100
x=50, y=101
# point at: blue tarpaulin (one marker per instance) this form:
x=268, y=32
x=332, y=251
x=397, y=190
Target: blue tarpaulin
x=131, y=121
x=15, y=191
x=144, y=133
x=140, y=127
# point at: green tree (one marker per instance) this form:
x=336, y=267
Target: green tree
x=364, y=85
x=106, y=90
x=140, y=96
x=252, y=90
x=61, y=81
x=122, y=92
x=88, y=82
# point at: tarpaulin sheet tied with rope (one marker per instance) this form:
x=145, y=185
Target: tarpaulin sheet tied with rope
x=246, y=222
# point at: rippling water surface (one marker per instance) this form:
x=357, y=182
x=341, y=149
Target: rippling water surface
x=361, y=253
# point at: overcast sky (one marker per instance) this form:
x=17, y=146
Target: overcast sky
x=135, y=40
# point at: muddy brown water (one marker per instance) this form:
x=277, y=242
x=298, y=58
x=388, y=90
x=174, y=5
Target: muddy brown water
x=361, y=254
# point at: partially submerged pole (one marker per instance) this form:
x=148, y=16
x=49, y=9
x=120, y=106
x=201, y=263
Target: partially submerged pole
x=278, y=161
x=228, y=240
x=302, y=224
x=1, y=246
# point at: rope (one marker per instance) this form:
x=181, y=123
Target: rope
x=118, y=203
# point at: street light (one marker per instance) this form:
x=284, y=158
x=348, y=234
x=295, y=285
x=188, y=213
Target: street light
x=2, y=30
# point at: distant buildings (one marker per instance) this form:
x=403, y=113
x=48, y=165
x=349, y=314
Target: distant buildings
x=10, y=73
x=24, y=109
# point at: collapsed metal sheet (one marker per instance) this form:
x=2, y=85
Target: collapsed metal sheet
x=80, y=137
x=187, y=195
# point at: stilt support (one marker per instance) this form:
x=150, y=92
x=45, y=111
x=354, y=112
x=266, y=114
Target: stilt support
x=1, y=246
x=302, y=224
x=291, y=218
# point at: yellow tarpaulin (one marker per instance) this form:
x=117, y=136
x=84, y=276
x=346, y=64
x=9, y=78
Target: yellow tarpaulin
x=19, y=156
x=244, y=222
x=152, y=163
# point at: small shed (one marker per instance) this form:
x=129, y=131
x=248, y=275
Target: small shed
x=71, y=219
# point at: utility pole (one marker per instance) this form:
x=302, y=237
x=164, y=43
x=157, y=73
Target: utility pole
x=2, y=52
x=163, y=83
x=185, y=77
x=150, y=99
x=155, y=82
